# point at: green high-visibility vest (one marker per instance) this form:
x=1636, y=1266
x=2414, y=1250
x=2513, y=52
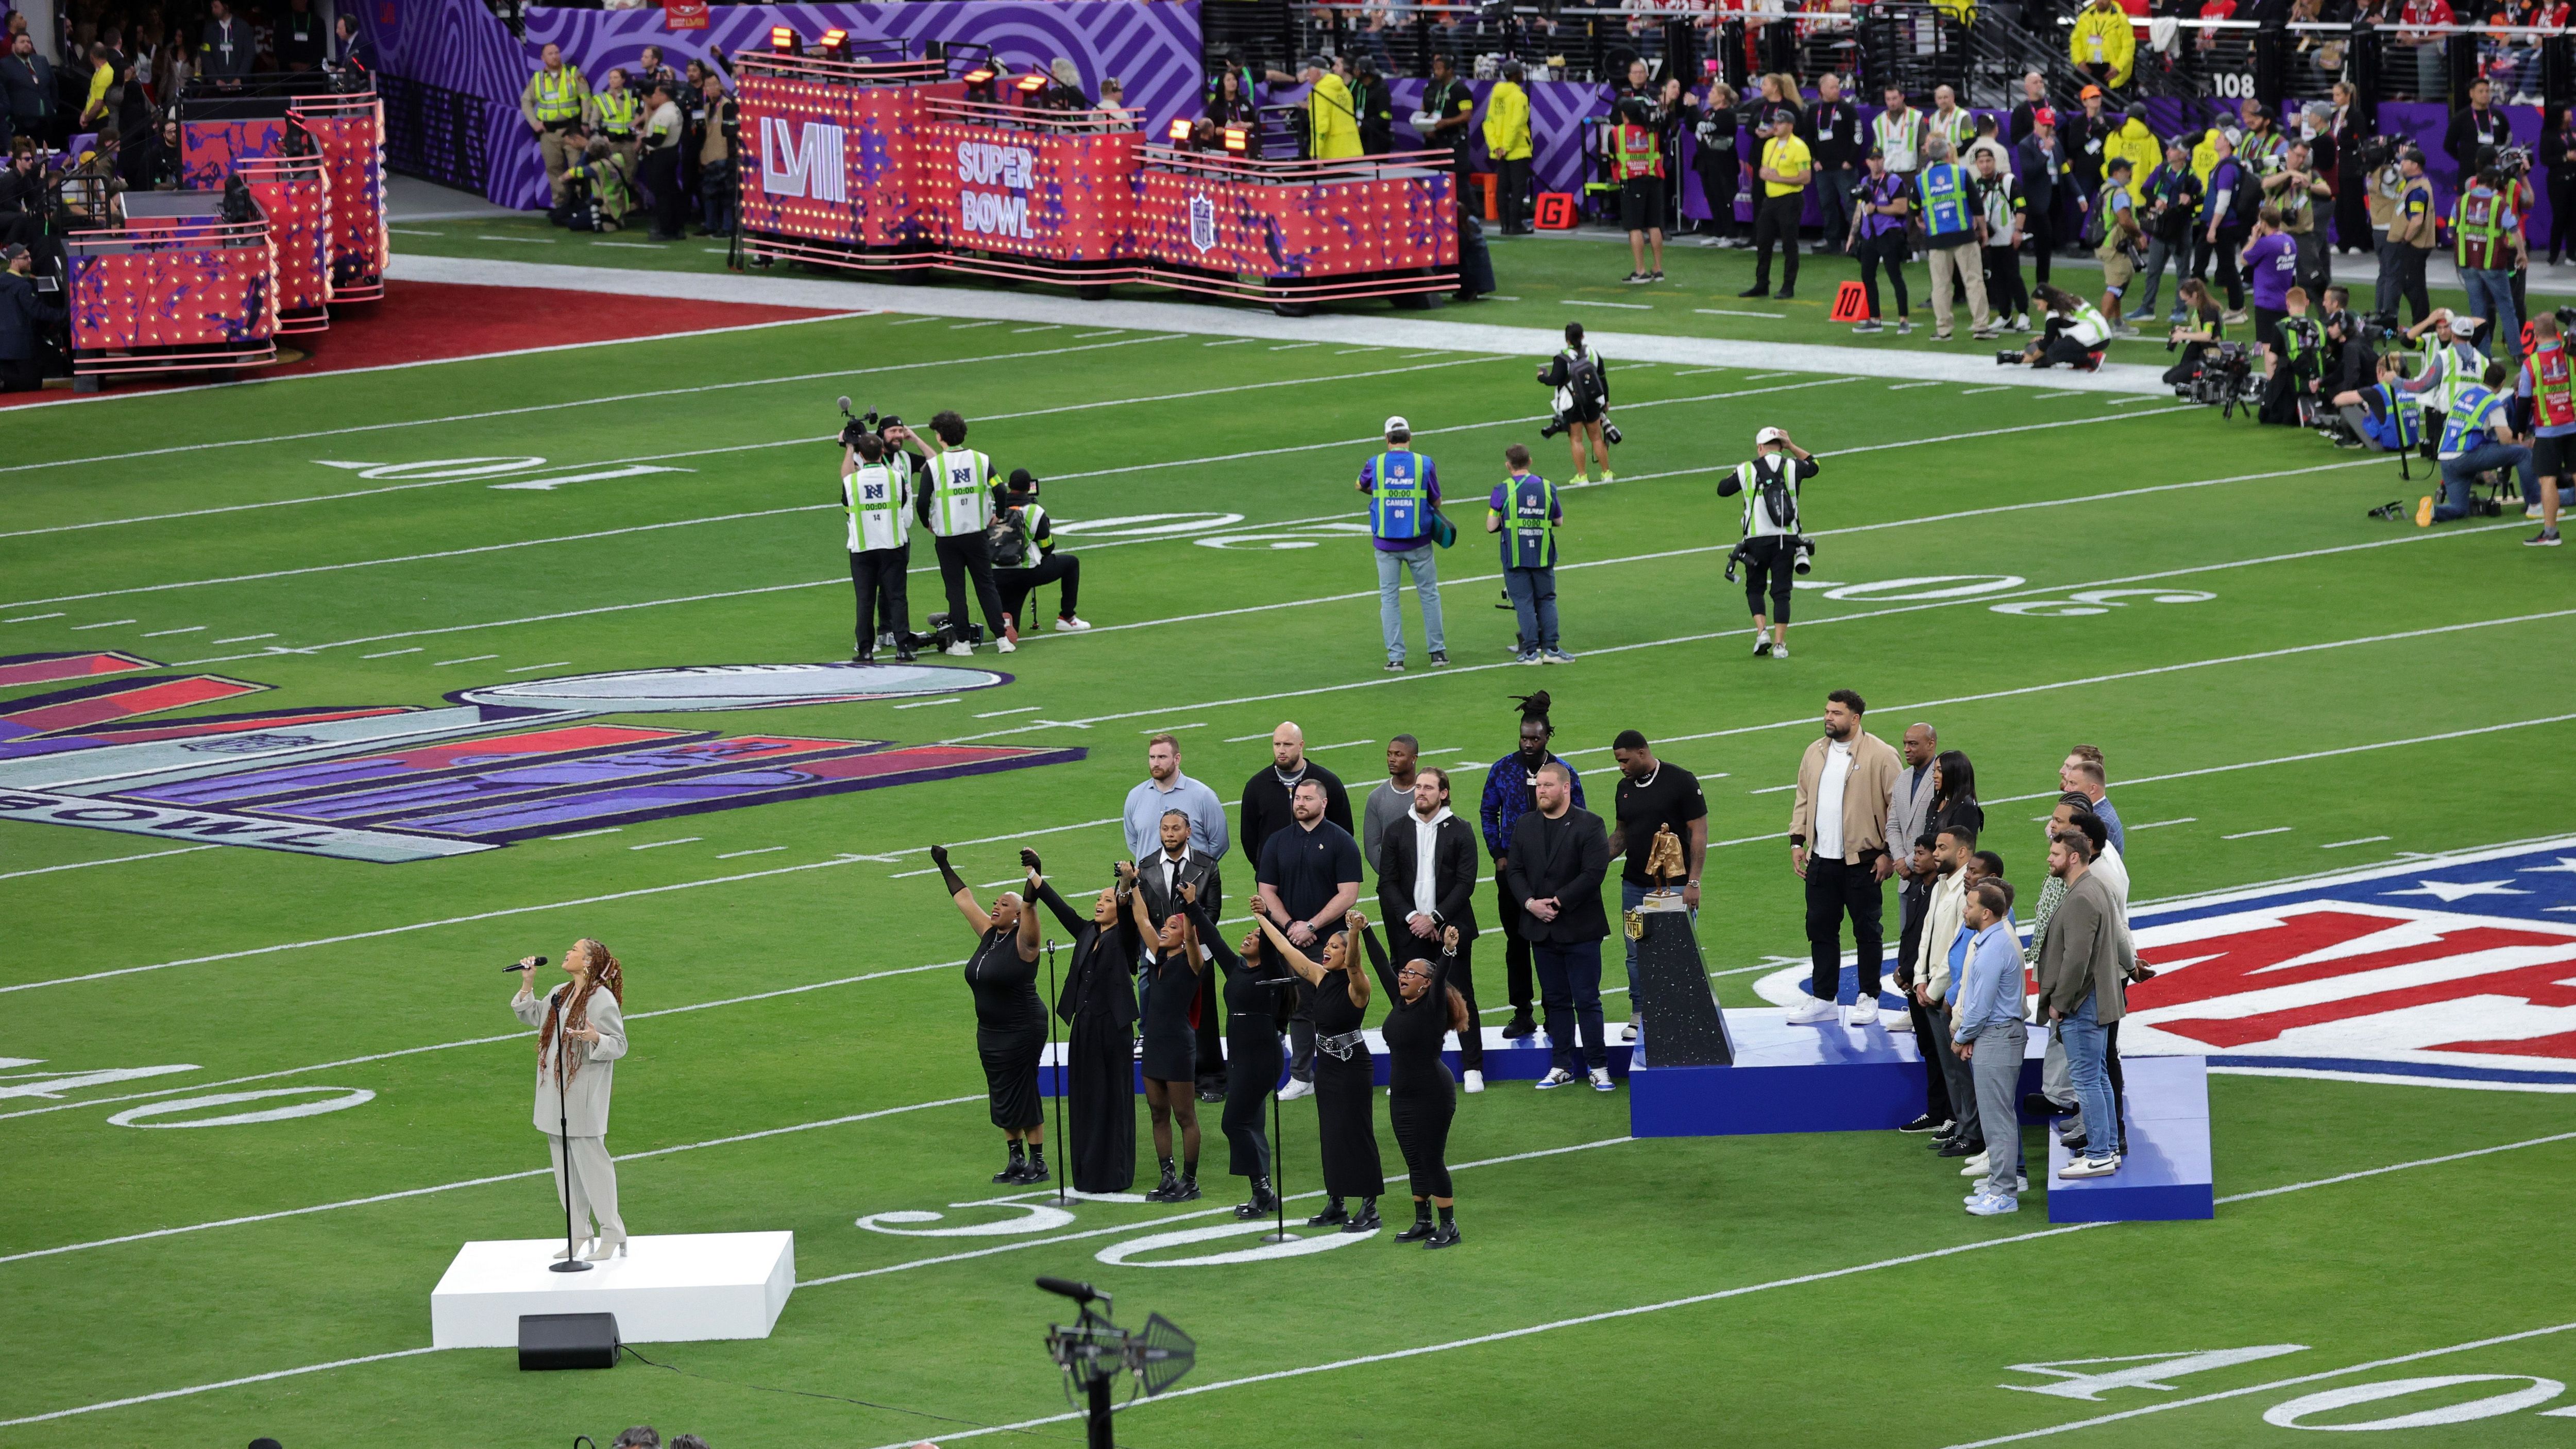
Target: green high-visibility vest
x=875, y=498
x=616, y=112
x=1399, y=500
x=2460, y=366
x=1529, y=523
x=559, y=96
x=961, y=500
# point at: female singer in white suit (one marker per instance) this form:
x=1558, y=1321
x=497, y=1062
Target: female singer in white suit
x=592, y=1020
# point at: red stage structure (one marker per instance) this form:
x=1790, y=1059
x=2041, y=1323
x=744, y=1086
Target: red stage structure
x=891, y=164
x=176, y=285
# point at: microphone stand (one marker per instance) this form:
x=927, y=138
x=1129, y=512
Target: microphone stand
x=572, y=1262
x=1278, y=1141
x=1064, y=1149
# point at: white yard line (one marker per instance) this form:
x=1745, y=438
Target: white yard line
x=110, y=860
x=2250, y=834
x=2363, y=840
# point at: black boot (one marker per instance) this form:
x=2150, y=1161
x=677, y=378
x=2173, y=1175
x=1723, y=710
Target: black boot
x=1421, y=1222
x=1187, y=1190
x=1446, y=1235
x=1263, y=1204
x=1037, y=1165
x=1162, y=1191
x=1519, y=1026
x=1333, y=1215
x=1367, y=1221
x=1018, y=1169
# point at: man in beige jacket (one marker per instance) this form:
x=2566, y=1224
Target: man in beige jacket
x=1838, y=846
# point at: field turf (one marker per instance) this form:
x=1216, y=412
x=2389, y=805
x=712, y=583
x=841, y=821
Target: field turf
x=2278, y=668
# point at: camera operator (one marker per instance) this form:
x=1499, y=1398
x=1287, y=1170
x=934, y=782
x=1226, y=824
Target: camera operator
x=2476, y=437
x=1637, y=152
x=2381, y=415
x=2172, y=194
x=2411, y=233
x=2198, y=337
x=2294, y=366
x=2546, y=393
x=2488, y=231
x=1772, y=552
x=877, y=493
x=2347, y=338
x=2117, y=248
x=2294, y=191
x=1022, y=542
x=1879, y=237
x=1582, y=401
x=2074, y=335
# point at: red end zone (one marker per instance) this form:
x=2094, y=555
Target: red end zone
x=420, y=322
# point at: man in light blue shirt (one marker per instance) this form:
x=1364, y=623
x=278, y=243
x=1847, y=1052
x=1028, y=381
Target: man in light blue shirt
x=1992, y=1037
x=2083, y=771
x=1166, y=788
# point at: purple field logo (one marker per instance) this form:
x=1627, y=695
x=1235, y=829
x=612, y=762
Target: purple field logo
x=502, y=763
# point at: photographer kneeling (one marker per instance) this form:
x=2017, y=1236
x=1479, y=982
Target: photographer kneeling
x=1022, y=542
x=2198, y=336
x=2477, y=436
x=2076, y=333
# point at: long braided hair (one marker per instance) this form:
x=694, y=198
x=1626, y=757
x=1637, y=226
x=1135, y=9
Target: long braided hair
x=604, y=971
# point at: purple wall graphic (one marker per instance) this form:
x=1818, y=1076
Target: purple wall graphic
x=459, y=45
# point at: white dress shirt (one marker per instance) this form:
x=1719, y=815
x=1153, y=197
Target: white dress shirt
x=1426, y=836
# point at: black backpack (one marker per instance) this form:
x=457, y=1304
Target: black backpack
x=1583, y=378
x=1009, y=541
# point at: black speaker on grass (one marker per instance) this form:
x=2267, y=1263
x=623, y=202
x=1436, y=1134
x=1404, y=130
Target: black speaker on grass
x=567, y=1341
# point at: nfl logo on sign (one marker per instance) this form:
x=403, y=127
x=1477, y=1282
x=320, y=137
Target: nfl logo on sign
x=1202, y=223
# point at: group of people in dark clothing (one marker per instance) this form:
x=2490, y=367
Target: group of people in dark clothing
x=1312, y=969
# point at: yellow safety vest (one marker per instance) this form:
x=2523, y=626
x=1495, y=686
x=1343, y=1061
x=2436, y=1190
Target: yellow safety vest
x=616, y=112
x=559, y=100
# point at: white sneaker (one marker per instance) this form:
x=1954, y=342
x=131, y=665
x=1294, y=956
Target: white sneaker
x=1974, y=1166
x=1628, y=1034
x=1780, y=650
x=1475, y=1082
x=1896, y=1021
x=2531, y=510
x=961, y=649
x=1811, y=1011
x=1070, y=626
x=1005, y=645
x=1601, y=1080
x=1556, y=1077
x=1861, y=1013
x=2087, y=1167
x=1296, y=1089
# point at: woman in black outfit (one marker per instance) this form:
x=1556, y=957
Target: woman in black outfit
x=1010, y=1021
x=1230, y=101
x=1422, y=1008
x=1255, y=1014
x=2557, y=157
x=1954, y=795
x=1345, y=1089
x=1098, y=1004
x=1170, y=1057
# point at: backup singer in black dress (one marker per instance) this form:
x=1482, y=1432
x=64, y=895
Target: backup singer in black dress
x=1098, y=1003
x=1010, y=1021
x=1170, y=1056
x=1345, y=1092
x=1255, y=1015
x=1422, y=1008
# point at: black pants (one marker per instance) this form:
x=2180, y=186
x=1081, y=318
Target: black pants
x=1717, y=188
x=2410, y=282
x=1913, y=902
x=2352, y=212
x=1776, y=220
x=963, y=556
x=22, y=374
x=2043, y=241
x=2231, y=240
x=1887, y=249
x=1017, y=584
x=2004, y=292
x=1512, y=194
x=1767, y=569
x=662, y=178
x=2562, y=199
x=1836, y=888
x=1462, y=975
x=876, y=576
x=1936, y=1080
x=1516, y=951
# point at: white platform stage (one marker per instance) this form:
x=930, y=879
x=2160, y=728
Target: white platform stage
x=665, y=1290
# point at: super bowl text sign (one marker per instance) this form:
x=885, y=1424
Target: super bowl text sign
x=993, y=184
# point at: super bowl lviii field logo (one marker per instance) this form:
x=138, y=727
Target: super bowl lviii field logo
x=501, y=763
x=2453, y=970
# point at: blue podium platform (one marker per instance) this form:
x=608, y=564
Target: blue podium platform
x=1525, y=1060
x=2165, y=1176
x=1823, y=1078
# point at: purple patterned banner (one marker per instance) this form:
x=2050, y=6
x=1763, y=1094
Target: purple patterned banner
x=459, y=45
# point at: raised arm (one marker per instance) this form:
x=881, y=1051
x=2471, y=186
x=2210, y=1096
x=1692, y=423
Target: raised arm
x=957, y=892
x=1044, y=890
x=1206, y=933
x=1378, y=963
x=1294, y=959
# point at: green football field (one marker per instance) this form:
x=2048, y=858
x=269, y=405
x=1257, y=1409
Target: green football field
x=2283, y=688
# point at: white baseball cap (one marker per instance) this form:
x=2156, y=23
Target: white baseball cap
x=2464, y=327
x=1769, y=435
x=1396, y=425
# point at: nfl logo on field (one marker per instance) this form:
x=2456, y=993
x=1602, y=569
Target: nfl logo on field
x=1202, y=223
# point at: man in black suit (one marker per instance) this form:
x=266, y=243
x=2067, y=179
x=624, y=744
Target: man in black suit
x=23, y=317
x=1417, y=904
x=1161, y=876
x=1560, y=855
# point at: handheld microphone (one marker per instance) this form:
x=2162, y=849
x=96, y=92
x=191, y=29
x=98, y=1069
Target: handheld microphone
x=845, y=406
x=1078, y=1292
x=514, y=967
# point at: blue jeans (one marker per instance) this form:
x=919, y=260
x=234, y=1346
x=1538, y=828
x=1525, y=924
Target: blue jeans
x=1630, y=894
x=1426, y=587
x=1533, y=594
x=2491, y=296
x=1834, y=204
x=2460, y=472
x=2159, y=253
x=2088, y=1062
x=1569, y=986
